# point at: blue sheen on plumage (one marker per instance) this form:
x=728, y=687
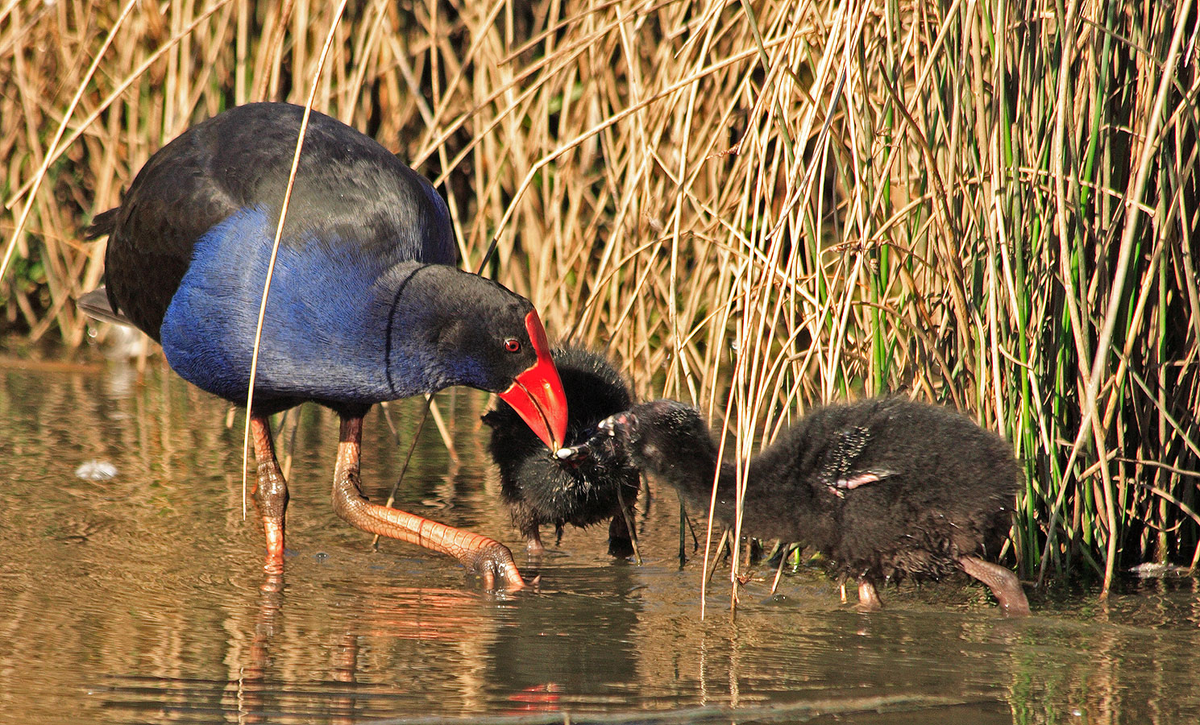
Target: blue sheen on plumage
x=326, y=331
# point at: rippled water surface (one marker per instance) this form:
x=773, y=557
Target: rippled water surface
x=141, y=598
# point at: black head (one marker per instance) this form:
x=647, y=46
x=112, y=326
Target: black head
x=657, y=435
x=475, y=332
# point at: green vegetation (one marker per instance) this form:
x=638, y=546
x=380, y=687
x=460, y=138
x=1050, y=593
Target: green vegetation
x=755, y=206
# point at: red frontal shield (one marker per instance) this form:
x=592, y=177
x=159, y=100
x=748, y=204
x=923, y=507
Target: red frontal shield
x=537, y=394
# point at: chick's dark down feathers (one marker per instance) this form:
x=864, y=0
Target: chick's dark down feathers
x=539, y=488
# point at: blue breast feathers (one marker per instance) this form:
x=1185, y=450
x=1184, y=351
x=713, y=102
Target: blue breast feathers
x=334, y=319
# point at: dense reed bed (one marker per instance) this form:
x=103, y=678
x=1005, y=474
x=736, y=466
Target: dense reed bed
x=756, y=206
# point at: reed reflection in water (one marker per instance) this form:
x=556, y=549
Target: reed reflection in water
x=141, y=598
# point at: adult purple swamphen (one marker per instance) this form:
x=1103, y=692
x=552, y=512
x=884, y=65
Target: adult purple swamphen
x=364, y=304
x=883, y=487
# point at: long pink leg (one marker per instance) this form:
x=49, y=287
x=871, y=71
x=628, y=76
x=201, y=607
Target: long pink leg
x=490, y=559
x=1002, y=581
x=270, y=490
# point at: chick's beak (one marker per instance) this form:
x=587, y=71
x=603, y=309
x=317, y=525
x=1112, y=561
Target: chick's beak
x=537, y=393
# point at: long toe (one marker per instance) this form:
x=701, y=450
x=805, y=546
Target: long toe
x=481, y=555
x=495, y=564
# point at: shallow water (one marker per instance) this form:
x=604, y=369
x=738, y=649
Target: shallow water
x=141, y=599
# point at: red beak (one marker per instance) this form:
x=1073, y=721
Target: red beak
x=537, y=394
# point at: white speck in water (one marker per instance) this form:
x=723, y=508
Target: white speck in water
x=96, y=471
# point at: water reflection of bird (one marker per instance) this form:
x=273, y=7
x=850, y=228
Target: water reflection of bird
x=883, y=487
x=364, y=305
x=577, y=646
x=539, y=488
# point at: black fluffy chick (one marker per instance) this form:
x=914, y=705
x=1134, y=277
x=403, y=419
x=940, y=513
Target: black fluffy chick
x=883, y=487
x=541, y=489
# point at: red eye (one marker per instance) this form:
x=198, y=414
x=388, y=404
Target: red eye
x=512, y=344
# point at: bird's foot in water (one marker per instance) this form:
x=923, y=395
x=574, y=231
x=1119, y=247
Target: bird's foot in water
x=273, y=528
x=868, y=598
x=494, y=564
x=534, y=546
x=621, y=547
x=1002, y=581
